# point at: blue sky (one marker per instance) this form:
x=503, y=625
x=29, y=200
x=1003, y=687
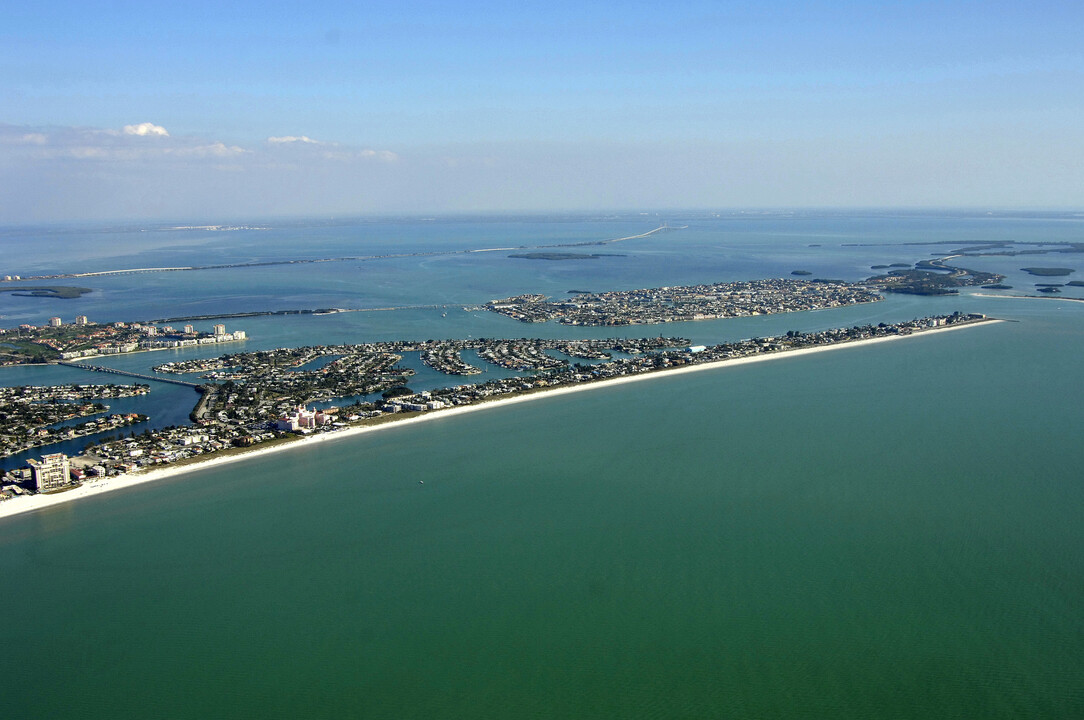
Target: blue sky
x=249, y=109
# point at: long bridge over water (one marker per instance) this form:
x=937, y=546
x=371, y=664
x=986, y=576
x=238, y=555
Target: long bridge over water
x=114, y=371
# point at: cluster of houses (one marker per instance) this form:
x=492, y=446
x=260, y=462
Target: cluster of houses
x=155, y=338
x=83, y=338
x=54, y=472
x=693, y=302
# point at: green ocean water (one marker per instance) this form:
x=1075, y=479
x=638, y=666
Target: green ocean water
x=890, y=531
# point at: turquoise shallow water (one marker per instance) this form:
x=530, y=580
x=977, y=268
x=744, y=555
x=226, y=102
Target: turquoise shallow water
x=888, y=531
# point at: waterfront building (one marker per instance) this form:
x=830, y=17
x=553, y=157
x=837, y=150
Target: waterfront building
x=80, y=319
x=52, y=472
x=55, y=322
x=189, y=330
x=219, y=329
x=303, y=419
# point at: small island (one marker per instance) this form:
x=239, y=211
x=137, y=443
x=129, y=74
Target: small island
x=691, y=302
x=932, y=277
x=800, y=272
x=64, y=292
x=1048, y=271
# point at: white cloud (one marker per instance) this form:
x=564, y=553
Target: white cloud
x=305, y=146
x=343, y=155
x=293, y=139
x=57, y=172
x=217, y=149
x=14, y=135
x=145, y=129
x=88, y=153
x=382, y=155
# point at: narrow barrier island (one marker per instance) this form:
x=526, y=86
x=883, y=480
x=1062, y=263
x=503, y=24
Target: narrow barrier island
x=221, y=436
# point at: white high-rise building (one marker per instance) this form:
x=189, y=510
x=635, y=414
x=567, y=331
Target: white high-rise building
x=51, y=472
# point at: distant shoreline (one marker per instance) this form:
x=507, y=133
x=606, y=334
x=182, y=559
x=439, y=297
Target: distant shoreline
x=310, y=261
x=20, y=505
x=1028, y=297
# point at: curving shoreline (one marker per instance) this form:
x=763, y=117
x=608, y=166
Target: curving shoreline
x=26, y=504
x=1028, y=297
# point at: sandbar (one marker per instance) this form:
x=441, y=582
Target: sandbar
x=1027, y=297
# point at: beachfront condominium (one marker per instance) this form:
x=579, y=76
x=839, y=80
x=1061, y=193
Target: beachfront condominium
x=52, y=472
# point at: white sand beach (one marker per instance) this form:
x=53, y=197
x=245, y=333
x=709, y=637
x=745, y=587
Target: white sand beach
x=1027, y=297
x=23, y=504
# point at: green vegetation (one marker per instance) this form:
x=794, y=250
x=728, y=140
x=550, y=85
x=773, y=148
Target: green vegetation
x=1048, y=271
x=41, y=344
x=24, y=351
x=800, y=272
x=922, y=289
x=932, y=277
x=66, y=292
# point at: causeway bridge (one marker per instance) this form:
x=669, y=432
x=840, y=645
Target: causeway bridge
x=126, y=373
